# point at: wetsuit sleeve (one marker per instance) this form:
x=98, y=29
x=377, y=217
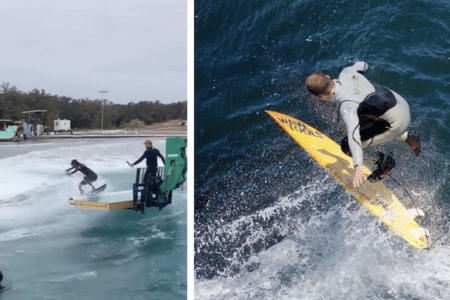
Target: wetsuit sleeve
x=75, y=170
x=349, y=113
x=139, y=160
x=162, y=157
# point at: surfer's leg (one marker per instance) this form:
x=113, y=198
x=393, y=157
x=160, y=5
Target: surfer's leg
x=93, y=177
x=92, y=186
x=89, y=180
x=367, y=156
x=85, y=181
x=384, y=164
x=398, y=118
x=79, y=187
x=384, y=167
x=145, y=193
x=382, y=138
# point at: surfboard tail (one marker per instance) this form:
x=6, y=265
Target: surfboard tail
x=413, y=213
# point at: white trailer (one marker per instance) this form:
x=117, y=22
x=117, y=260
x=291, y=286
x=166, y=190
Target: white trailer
x=61, y=125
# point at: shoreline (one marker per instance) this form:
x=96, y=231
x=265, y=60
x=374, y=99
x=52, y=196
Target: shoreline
x=110, y=135
x=92, y=136
x=168, y=129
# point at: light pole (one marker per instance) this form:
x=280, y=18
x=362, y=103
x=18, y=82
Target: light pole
x=102, y=92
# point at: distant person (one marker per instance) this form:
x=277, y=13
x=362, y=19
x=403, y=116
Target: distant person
x=89, y=177
x=151, y=154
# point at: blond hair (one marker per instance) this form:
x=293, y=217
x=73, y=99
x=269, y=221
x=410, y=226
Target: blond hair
x=319, y=83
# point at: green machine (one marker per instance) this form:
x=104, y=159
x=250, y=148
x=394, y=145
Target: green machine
x=176, y=164
x=157, y=191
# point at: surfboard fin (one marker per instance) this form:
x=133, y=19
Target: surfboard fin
x=413, y=213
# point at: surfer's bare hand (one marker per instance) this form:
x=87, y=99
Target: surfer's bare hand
x=359, y=177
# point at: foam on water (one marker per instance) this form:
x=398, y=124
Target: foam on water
x=340, y=252
x=38, y=183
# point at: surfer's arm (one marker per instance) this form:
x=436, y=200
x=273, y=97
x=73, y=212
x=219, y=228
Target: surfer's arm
x=139, y=160
x=69, y=169
x=349, y=114
x=76, y=169
x=162, y=157
x=70, y=173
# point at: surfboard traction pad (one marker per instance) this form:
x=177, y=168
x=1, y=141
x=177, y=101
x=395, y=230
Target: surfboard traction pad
x=375, y=197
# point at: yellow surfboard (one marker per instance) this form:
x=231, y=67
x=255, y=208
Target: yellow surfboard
x=376, y=197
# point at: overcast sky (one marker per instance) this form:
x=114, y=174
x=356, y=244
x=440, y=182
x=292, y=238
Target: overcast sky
x=135, y=49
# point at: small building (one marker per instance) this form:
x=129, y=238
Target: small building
x=61, y=125
x=183, y=123
x=34, y=122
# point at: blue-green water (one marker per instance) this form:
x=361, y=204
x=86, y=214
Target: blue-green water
x=51, y=250
x=269, y=223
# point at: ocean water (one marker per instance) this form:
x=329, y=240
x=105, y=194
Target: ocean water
x=270, y=223
x=51, y=250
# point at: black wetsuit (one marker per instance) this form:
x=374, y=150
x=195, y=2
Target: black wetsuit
x=152, y=164
x=90, y=176
x=152, y=167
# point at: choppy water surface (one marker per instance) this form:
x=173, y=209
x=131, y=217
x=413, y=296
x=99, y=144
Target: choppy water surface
x=269, y=223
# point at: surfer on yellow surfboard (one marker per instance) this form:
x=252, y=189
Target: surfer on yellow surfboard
x=373, y=114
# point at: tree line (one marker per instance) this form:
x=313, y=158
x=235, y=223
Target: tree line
x=85, y=113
